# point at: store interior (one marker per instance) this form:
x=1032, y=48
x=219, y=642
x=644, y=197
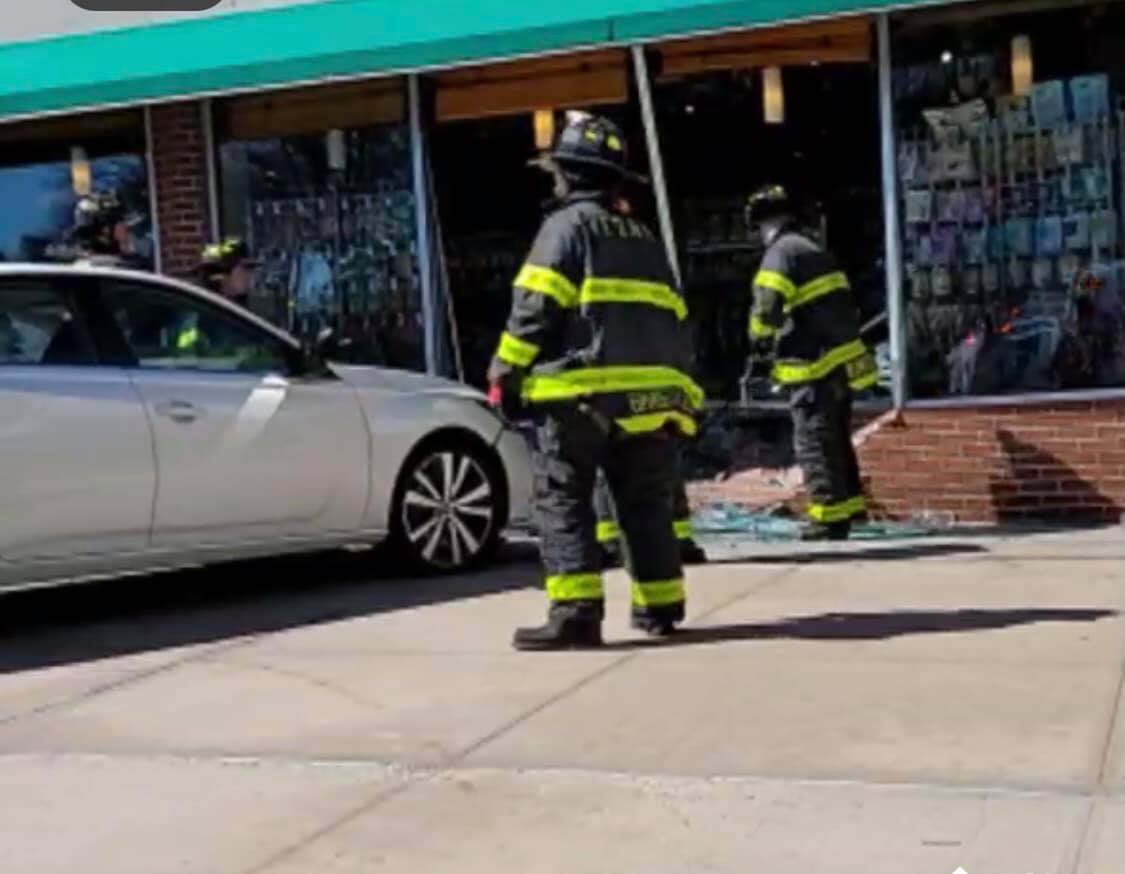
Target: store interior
x=1010, y=127
x=320, y=184
x=489, y=211
x=718, y=147
x=47, y=164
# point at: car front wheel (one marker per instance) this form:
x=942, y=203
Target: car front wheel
x=449, y=507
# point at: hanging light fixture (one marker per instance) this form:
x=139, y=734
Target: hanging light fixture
x=544, y=128
x=1023, y=70
x=80, y=179
x=336, y=147
x=773, y=95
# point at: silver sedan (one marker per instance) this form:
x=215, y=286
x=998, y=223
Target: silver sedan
x=146, y=424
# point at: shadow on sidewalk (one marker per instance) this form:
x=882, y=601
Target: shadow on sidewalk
x=89, y=622
x=871, y=626
x=818, y=555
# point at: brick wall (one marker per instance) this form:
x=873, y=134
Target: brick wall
x=181, y=185
x=1004, y=463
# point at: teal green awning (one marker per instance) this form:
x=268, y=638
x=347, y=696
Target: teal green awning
x=336, y=38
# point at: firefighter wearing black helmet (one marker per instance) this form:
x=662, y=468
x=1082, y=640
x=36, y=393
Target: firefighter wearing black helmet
x=805, y=328
x=596, y=352
x=227, y=269
x=100, y=234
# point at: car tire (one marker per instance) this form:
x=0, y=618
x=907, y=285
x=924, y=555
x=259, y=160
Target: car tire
x=449, y=508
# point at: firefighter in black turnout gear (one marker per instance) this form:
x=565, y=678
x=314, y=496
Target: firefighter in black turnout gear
x=609, y=531
x=805, y=328
x=227, y=269
x=100, y=234
x=596, y=352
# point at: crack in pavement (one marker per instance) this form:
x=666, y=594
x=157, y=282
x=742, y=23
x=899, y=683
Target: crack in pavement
x=129, y=679
x=1117, y=704
x=386, y=795
x=401, y=772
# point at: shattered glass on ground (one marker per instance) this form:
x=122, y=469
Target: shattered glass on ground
x=735, y=522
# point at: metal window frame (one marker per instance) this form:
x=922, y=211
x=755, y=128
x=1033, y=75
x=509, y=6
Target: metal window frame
x=892, y=226
x=891, y=218
x=656, y=159
x=211, y=165
x=424, y=224
x=153, y=196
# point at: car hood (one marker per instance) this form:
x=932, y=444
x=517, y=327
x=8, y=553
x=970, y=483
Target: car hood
x=402, y=381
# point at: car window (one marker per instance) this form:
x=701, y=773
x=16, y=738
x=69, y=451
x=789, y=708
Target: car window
x=39, y=326
x=166, y=330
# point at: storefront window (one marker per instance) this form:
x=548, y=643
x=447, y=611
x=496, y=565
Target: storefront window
x=489, y=202
x=330, y=215
x=42, y=165
x=719, y=147
x=1009, y=133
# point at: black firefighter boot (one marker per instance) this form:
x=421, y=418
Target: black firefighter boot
x=815, y=532
x=658, y=621
x=573, y=625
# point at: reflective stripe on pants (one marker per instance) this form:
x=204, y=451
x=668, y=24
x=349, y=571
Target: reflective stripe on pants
x=644, y=469
x=609, y=532
x=822, y=417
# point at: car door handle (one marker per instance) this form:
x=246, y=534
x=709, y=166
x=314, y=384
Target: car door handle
x=181, y=412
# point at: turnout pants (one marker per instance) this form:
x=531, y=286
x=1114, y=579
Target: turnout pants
x=822, y=432
x=641, y=472
x=609, y=531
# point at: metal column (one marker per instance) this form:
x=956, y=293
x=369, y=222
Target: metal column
x=656, y=160
x=891, y=218
x=153, y=195
x=206, y=111
x=424, y=225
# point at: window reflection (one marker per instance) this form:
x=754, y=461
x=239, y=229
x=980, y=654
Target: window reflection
x=35, y=225
x=334, y=231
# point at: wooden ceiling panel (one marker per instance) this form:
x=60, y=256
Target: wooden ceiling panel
x=564, y=82
x=841, y=41
x=311, y=110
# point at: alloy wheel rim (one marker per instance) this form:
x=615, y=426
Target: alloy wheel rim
x=447, y=509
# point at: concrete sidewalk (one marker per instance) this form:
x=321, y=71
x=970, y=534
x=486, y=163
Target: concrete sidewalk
x=911, y=706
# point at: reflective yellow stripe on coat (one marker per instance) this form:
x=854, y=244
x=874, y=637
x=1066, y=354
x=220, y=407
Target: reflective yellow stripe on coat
x=516, y=352
x=778, y=282
x=543, y=280
x=818, y=288
x=188, y=339
x=797, y=372
x=633, y=291
x=760, y=329
x=572, y=384
x=650, y=422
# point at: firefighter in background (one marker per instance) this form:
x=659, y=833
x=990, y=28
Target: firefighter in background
x=227, y=269
x=102, y=233
x=805, y=332
x=596, y=351
x=609, y=532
